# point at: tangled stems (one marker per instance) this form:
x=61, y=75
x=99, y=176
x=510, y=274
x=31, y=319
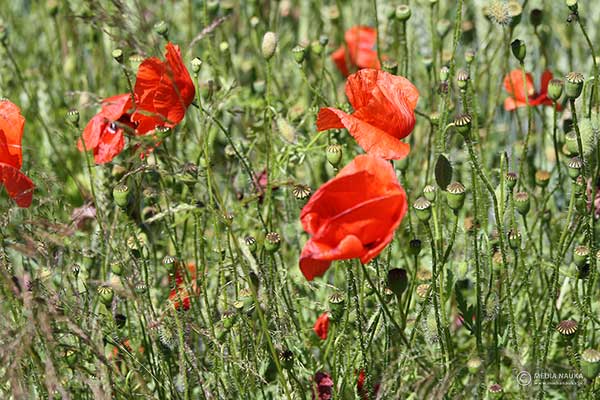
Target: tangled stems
x=554, y=138
x=595, y=63
x=529, y=126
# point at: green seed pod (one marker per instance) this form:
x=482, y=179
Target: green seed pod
x=272, y=242
x=555, y=89
x=334, y=154
x=590, y=363
x=403, y=13
x=495, y=391
x=390, y=66
x=522, y=203
x=116, y=267
x=106, y=294
x=299, y=53
x=251, y=243
x=536, y=16
x=474, y=365
x=162, y=28
x=228, y=319
x=574, y=166
x=571, y=144
x=73, y=117
x=444, y=74
x=511, y=180
x=337, y=302
x=469, y=56
x=301, y=192
x=462, y=123
x=414, y=247
x=580, y=255
x=574, y=84
x=514, y=239
x=455, y=195
x=423, y=208
x=224, y=47
x=519, y=49
x=196, y=65
x=117, y=54
x=323, y=40
x=462, y=79
x=572, y=4
x=269, y=45
x=121, y=195
x=422, y=291
x=397, y=281
x=316, y=47
x=542, y=178
x=429, y=192
x=567, y=328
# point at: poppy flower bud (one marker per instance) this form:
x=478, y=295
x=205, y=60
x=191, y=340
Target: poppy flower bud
x=250, y=241
x=423, y=209
x=429, y=192
x=542, y=178
x=414, y=247
x=196, y=65
x=574, y=84
x=73, y=117
x=514, y=239
x=403, y=13
x=287, y=359
x=574, y=166
x=572, y=4
x=590, y=363
x=121, y=195
x=337, y=306
x=301, y=192
x=555, y=89
x=269, y=45
x=567, y=328
x=519, y=49
x=522, y=203
x=444, y=72
x=443, y=27
x=397, y=281
x=462, y=79
x=455, y=195
x=535, y=16
x=462, y=123
x=299, y=53
x=272, y=242
x=580, y=255
x=106, y=294
x=511, y=180
x=117, y=54
x=162, y=28
x=390, y=66
x=469, y=56
x=334, y=154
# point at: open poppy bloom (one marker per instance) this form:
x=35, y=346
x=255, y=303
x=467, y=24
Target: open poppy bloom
x=513, y=84
x=323, y=389
x=321, y=326
x=354, y=215
x=104, y=132
x=383, y=114
x=18, y=186
x=359, y=51
x=180, y=295
x=163, y=91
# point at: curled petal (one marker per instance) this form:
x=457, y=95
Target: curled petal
x=18, y=186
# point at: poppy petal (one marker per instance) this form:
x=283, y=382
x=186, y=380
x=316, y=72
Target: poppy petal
x=546, y=78
x=91, y=133
x=513, y=84
x=339, y=59
x=110, y=145
x=18, y=186
x=12, y=124
x=316, y=257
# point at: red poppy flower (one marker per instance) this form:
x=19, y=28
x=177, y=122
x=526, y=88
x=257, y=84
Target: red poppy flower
x=104, y=133
x=163, y=91
x=179, y=291
x=321, y=326
x=513, y=84
x=354, y=215
x=360, y=385
x=324, y=386
x=361, y=53
x=383, y=114
x=18, y=186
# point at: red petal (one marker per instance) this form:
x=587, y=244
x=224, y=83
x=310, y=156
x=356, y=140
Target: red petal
x=12, y=124
x=114, y=107
x=321, y=326
x=546, y=78
x=91, y=133
x=18, y=186
x=339, y=58
x=361, y=41
x=109, y=146
x=513, y=84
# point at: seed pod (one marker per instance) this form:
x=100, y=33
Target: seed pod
x=567, y=327
x=117, y=54
x=337, y=306
x=301, y=192
x=580, y=255
x=590, y=363
x=555, y=89
x=196, y=65
x=444, y=73
x=422, y=291
x=474, y=364
x=73, y=117
x=121, y=195
x=162, y=28
x=574, y=84
x=116, y=267
x=403, y=164
x=429, y=192
x=272, y=242
x=522, y=203
x=571, y=143
x=423, y=209
x=542, y=178
x=403, y=13
x=469, y=56
x=106, y=294
x=251, y=243
x=519, y=49
x=455, y=195
x=514, y=239
x=515, y=11
x=536, y=16
x=495, y=391
x=390, y=66
x=443, y=27
x=511, y=180
x=269, y=45
x=462, y=123
x=299, y=53
x=228, y=319
x=334, y=154
x=572, y=4
x=397, y=281
x=462, y=79
x=414, y=247
x=574, y=166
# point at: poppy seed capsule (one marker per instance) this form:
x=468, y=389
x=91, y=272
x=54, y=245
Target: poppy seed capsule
x=542, y=178
x=514, y=239
x=121, y=195
x=117, y=54
x=495, y=390
x=571, y=143
x=572, y=4
x=580, y=255
x=511, y=180
x=522, y=203
x=272, y=242
x=162, y=28
x=334, y=154
x=462, y=123
x=519, y=49
x=196, y=65
x=423, y=209
x=337, y=306
x=228, y=319
x=106, y=294
x=299, y=53
x=397, y=281
x=469, y=56
x=287, y=359
x=455, y=195
x=390, y=66
x=403, y=13
x=429, y=192
x=116, y=267
x=444, y=73
x=251, y=243
x=73, y=117
x=555, y=89
x=422, y=291
x=169, y=261
x=301, y=192
x=269, y=45
x=443, y=27
x=567, y=327
x=414, y=247
x=574, y=84
x=590, y=363
x=574, y=166
x=536, y=16
x=462, y=79
x=474, y=364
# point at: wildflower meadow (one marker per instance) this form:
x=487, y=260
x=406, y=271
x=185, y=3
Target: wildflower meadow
x=299, y=199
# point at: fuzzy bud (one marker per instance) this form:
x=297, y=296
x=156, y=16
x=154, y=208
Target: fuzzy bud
x=519, y=49
x=269, y=45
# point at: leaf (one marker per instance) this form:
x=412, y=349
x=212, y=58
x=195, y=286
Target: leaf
x=466, y=311
x=443, y=172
